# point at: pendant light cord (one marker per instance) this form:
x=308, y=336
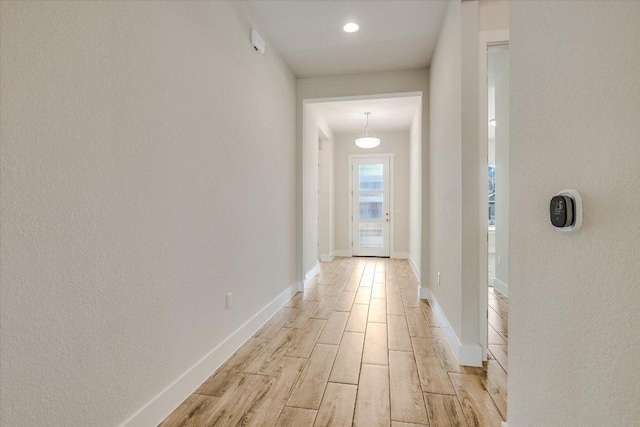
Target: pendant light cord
x=368, y=128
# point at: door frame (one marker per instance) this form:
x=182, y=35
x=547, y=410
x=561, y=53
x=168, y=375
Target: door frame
x=486, y=39
x=391, y=157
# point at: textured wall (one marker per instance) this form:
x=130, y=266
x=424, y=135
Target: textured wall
x=445, y=153
x=574, y=317
x=325, y=199
x=148, y=168
x=416, y=153
x=493, y=15
x=457, y=218
x=315, y=128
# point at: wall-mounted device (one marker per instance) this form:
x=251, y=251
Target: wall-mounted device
x=565, y=211
x=257, y=41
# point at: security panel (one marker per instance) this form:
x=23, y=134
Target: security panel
x=561, y=211
x=565, y=211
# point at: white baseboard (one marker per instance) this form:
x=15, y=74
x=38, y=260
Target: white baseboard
x=467, y=355
x=342, y=252
x=425, y=293
x=300, y=285
x=415, y=269
x=400, y=255
x=311, y=273
x=164, y=403
x=452, y=338
x=501, y=286
x=504, y=424
x=470, y=355
x=326, y=258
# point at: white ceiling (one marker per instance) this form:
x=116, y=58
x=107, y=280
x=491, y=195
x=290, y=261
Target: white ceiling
x=387, y=114
x=394, y=35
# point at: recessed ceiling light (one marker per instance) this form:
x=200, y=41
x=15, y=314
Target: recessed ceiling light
x=351, y=27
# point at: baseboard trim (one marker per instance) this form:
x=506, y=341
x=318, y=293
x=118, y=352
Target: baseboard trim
x=501, y=286
x=467, y=355
x=158, y=408
x=311, y=273
x=326, y=258
x=425, y=293
x=400, y=255
x=415, y=269
x=504, y=424
x=452, y=338
x=471, y=355
x=342, y=252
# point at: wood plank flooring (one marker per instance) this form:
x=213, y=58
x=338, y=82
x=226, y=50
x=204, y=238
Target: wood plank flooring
x=498, y=328
x=359, y=348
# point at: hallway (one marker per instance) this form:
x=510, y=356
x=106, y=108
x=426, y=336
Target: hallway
x=357, y=346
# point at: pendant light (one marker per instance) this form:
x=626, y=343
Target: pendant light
x=369, y=139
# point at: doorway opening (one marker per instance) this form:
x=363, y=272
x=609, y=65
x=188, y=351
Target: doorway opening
x=374, y=209
x=494, y=215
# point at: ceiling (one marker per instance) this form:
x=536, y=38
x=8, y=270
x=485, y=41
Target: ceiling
x=387, y=114
x=394, y=35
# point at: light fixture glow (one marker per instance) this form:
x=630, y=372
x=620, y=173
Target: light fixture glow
x=351, y=27
x=369, y=139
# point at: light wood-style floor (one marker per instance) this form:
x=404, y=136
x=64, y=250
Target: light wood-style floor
x=358, y=347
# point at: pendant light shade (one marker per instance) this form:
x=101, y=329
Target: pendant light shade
x=369, y=139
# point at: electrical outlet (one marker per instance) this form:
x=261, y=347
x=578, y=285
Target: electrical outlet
x=228, y=301
x=438, y=277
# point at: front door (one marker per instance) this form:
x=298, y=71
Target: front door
x=370, y=207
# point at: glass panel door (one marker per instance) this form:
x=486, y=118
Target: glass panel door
x=371, y=216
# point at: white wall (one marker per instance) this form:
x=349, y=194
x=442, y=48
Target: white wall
x=148, y=168
x=471, y=176
x=493, y=15
x=573, y=305
x=455, y=177
x=415, y=191
x=347, y=86
x=445, y=168
x=315, y=128
x=391, y=142
x=326, y=206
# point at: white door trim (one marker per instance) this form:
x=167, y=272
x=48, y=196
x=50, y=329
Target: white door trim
x=487, y=38
x=391, y=157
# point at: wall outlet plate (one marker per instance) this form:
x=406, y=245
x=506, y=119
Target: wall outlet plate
x=228, y=301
